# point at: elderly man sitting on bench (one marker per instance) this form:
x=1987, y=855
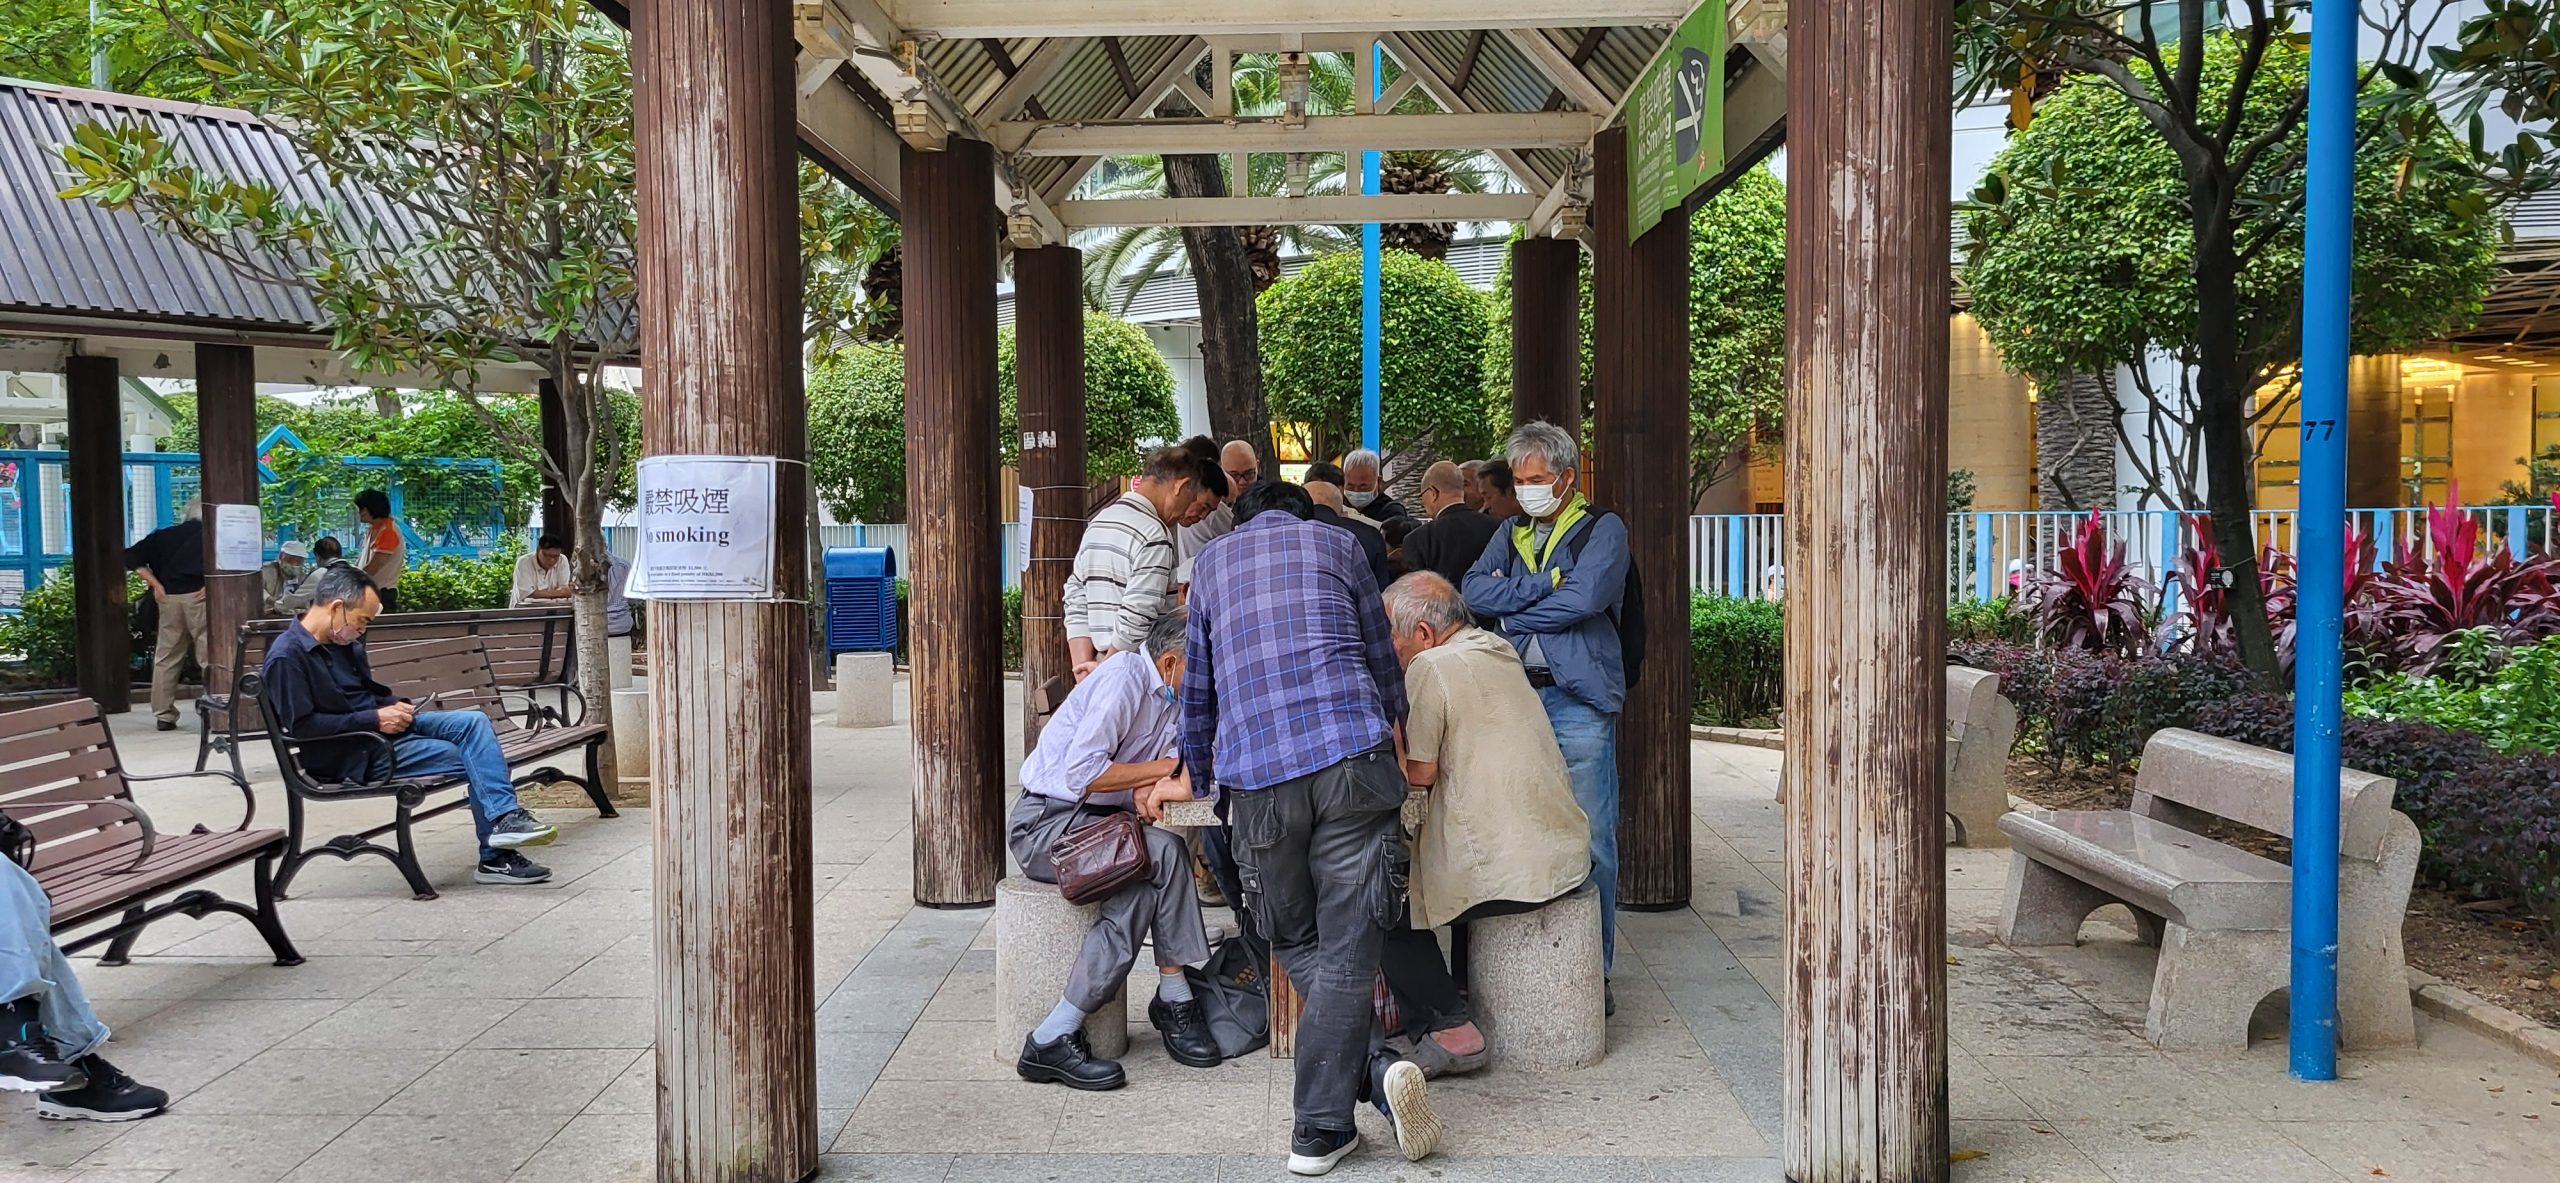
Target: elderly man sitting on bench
x=1106, y=748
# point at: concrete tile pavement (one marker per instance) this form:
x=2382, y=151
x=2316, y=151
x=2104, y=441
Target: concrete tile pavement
x=503, y=1034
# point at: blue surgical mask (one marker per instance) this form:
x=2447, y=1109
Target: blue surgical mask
x=1168, y=693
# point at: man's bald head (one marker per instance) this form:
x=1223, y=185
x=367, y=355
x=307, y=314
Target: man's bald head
x=1442, y=487
x=1326, y=494
x=1242, y=464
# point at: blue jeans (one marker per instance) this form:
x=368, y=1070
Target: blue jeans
x=32, y=966
x=1590, y=743
x=460, y=743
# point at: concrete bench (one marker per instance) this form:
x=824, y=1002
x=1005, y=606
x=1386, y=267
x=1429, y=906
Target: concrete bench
x=2221, y=915
x=1535, y=983
x=1981, y=728
x=1038, y=934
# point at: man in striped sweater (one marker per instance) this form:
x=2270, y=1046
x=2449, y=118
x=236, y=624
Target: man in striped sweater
x=1123, y=576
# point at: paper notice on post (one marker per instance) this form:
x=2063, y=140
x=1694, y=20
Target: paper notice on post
x=1024, y=515
x=706, y=529
x=239, y=538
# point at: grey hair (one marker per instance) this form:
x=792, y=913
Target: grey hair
x=1546, y=441
x=1171, y=633
x=340, y=583
x=1360, y=458
x=1426, y=598
x=191, y=510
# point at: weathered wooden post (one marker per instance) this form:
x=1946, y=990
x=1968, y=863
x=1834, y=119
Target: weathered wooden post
x=1865, y=997
x=1546, y=332
x=96, y=470
x=719, y=295
x=1640, y=412
x=1048, y=319
x=227, y=466
x=955, y=587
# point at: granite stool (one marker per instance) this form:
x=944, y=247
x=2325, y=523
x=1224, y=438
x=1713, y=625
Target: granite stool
x=865, y=687
x=1537, y=987
x=1037, y=936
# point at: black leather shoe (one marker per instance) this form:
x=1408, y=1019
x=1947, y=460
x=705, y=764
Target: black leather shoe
x=1070, y=1061
x=1185, y=1027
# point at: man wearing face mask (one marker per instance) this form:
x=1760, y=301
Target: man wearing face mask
x=1555, y=582
x=319, y=685
x=1363, y=490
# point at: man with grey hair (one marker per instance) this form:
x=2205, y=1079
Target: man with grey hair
x=171, y=563
x=1456, y=535
x=1363, y=487
x=1112, y=746
x=1555, y=580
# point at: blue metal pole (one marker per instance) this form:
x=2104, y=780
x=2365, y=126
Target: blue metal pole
x=1372, y=313
x=1982, y=573
x=2328, y=253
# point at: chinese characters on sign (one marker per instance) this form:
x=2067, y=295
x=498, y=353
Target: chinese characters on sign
x=706, y=528
x=1675, y=120
x=239, y=538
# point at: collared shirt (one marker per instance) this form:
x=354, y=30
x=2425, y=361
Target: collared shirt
x=531, y=576
x=383, y=538
x=1501, y=823
x=285, y=591
x=1123, y=575
x=315, y=688
x=1290, y=669
x=175, y=555
x=1118, y=715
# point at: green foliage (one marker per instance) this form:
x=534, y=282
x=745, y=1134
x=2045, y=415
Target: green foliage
x=45, y=635
x=1960, y=490
x=840, y=235
x=1012, y=644
x=1128, y=397
x=858, y=432
x=2085, y=253
x=1433, y=339
x=464, y=585
x=50, y=41
x=1987, y=620
x=2516, y=708
x=1738, y=660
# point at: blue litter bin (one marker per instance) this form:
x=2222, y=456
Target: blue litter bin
x=862, y=599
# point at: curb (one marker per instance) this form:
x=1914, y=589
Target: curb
x=2482, y=1017
x=1747, y=737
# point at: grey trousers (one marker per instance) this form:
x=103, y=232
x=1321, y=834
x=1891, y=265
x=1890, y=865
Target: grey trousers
x=1322, y=861
x=1167, y=905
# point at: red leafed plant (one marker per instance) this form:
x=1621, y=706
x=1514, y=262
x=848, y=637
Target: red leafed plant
x=2206, y=617
x=2091, y=601
x=2423, y=598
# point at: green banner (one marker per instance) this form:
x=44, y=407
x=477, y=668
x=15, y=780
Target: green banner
x=1675, y=120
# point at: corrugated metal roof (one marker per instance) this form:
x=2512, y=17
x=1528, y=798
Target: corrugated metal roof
x=59, y=256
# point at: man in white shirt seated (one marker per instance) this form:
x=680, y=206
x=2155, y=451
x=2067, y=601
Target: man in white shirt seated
x=1110, y=747
x=542, y=575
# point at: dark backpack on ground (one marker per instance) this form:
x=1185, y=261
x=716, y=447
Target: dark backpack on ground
x=1628, y=616
x=1230, y=987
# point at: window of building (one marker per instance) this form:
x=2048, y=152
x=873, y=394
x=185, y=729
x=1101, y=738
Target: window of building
x=2426, y=443
x=2546, y=414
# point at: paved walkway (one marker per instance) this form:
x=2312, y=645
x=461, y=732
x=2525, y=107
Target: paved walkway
x=503, y=1034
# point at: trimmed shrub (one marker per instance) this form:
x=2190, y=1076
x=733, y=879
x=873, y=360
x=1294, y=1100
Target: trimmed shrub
x=464, y=585
x=45, y=634
x=1738, y=657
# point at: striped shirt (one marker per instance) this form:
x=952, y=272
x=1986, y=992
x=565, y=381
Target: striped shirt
x=1123, y=577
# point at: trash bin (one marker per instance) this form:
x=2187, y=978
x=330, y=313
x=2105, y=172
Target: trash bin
x=862, y=599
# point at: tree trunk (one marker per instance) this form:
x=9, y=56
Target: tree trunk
x=2076, y=443
x=2221, y=392
x=589, y=570
x=1230, y=336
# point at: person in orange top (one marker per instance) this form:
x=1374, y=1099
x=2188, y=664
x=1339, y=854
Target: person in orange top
x=385, y=554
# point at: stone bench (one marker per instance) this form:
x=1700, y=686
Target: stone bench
x=866, y=690
x=2221, y=915
x=1981, y=728
x=1535, y=983
x=1038, y=934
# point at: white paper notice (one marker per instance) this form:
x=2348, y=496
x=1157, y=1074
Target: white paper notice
x=239, y=539
x=1023, y=515
x=706, y=528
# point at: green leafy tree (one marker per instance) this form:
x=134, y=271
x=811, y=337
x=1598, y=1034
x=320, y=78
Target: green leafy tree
x=858, y=432
x=1737, y=329
x=1128, y=397
x=2152, y=208
x=52, y=41
x=1433, y=345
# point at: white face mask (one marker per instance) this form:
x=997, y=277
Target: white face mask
x=1360, y=500
x=1539, y=501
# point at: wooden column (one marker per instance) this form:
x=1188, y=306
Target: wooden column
x=1865, y=992
x=96, y=470
x=227, y=463
x=1048, y=327
x=955, y=589
x=1546, y=332
x=1640, y=375
x=719, y=294
x=555, y=444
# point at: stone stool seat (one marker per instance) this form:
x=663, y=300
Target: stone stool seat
x=1537, y=987
x=866, y=689
x=1038, y=934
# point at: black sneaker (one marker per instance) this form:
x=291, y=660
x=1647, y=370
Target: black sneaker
x=27, y=1064
x=1185, y=1027
x=109, y=1095
x=521, y=828
x=1070, y=1061
x=1316, y=1151
x=510, y=868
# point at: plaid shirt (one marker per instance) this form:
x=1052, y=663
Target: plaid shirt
x=1290, y=668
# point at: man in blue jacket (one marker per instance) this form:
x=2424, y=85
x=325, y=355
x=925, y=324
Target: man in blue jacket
x=1555, y=583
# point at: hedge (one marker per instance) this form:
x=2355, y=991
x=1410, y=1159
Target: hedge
x=45, y=635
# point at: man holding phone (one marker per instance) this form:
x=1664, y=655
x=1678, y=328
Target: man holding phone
x=319, y=685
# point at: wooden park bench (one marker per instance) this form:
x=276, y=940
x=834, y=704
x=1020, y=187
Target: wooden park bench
x=2220, y=914
x=1981, y=728
x=456, y=671
x=97, y=854
x=528, y=651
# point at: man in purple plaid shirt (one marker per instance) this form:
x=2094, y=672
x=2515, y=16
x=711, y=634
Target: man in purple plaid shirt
x=1289, y=701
